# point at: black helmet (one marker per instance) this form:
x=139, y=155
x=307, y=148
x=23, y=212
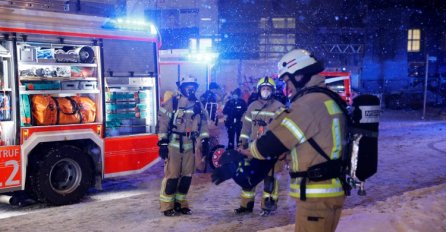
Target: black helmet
x=246, y=173
x=214, y=85
x=237, y=92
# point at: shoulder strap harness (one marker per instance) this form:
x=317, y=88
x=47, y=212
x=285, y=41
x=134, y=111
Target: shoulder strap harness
x=331, y=168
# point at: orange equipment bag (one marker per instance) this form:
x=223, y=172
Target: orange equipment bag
x=47, y=110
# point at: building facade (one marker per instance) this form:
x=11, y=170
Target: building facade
x=385, y=44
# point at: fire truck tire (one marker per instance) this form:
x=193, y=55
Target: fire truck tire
x=62, y=176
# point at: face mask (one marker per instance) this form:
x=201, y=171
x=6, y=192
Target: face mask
x=265, y=94
x=191, y=95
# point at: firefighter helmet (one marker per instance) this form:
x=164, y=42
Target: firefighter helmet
x=185, y=85
x=266, y=81
x=266, y=94
x=237, y=92
x=246, y=173
x=299, y=61
x=187, y=80
x=214, y=85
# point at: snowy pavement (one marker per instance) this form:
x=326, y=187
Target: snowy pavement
x=407, y=194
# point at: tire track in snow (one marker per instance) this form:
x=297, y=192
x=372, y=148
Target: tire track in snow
x=432, y=146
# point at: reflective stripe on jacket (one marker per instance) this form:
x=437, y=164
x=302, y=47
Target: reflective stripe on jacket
x=258, y=110
x=182, y=121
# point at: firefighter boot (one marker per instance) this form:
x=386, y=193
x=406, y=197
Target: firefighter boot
x=169, y=213
x=243, y=210
x=177, y=207
x=265, y=212
x=270, y=206
x=183, y=210
x=186, y=211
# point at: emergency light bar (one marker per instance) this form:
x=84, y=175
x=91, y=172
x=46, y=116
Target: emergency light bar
x=130, y=24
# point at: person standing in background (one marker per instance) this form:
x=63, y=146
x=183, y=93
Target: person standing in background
x=234, y=110
x=255, y=121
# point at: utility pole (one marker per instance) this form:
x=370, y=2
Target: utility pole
x=433, y=59
x=426, y=75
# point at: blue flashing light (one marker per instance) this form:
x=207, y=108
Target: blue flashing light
x=130, y=24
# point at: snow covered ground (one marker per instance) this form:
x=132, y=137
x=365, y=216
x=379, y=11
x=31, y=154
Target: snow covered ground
x=407, y=194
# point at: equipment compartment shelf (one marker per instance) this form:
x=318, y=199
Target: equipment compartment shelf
x=58, y=91
x=57, y=64
x=28, y=78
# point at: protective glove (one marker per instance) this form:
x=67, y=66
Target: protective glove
x=164, y=150
x=205, y=147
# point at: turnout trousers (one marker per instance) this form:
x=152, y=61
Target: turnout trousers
x=178, y=170
x=318, y=214
x=270, y=191
x=233, y=133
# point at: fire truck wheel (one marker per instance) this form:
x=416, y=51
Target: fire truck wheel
x=63, y=176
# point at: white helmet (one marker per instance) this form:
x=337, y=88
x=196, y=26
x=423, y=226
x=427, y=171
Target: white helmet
x=189, y=79
x=299, y=61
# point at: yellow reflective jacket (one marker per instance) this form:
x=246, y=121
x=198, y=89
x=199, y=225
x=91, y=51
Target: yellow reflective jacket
x=182, y=121
x=257, y=112
x=314, y=116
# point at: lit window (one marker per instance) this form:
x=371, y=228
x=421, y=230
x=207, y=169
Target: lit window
x=263, y=23
x=291, y=23
x=278, y=22
x=193, y=44
x=413, y=40
x=205, y=44
x=274, y=45
x=290, y=38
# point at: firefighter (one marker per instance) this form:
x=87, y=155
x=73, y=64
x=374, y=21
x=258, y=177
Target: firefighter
x=182, y=124
x=313, y=130
x=259, y=114
x=210, y=100
x=234, y=110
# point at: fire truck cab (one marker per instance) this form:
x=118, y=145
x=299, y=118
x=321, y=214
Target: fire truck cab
x=339, y=82
x=78, y=102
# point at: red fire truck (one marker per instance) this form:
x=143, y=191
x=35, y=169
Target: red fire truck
x=78, y=102
x=339, y=82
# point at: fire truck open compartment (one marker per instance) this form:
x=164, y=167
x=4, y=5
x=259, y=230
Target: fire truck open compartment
x=78, y=103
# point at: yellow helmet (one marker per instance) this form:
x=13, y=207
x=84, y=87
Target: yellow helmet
x=266, y=81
